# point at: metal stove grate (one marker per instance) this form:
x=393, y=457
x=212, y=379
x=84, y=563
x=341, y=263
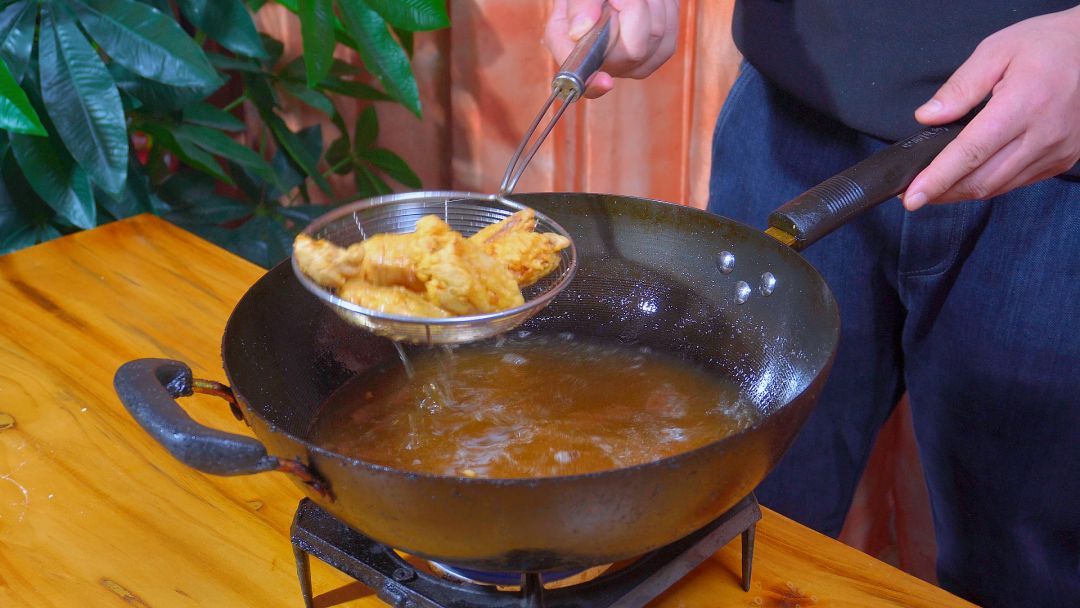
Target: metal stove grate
x=400, y=584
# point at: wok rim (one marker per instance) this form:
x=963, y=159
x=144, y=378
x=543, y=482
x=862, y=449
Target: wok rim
x=668, y=461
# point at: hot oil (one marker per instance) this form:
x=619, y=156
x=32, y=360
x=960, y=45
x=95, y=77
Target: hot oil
x=530, y=406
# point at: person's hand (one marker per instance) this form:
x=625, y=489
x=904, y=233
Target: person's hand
x=648, y=30
x=1030, y=128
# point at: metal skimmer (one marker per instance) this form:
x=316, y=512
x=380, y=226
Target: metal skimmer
x=467, y=213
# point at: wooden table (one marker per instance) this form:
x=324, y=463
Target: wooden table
x=94, y=513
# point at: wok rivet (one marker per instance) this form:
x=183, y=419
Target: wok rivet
x=402, y=575
x=726, y=261
x=768, y=283
x=742, y=292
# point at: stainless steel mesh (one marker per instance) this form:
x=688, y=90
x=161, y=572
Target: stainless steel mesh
x=465, y=212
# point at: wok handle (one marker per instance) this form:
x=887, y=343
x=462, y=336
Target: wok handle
x=827, y=206
x=588, y=55
x=149, y=388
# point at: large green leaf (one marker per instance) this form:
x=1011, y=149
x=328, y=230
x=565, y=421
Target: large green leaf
x=380, y=52
x=16, y=113
x=219, y=144
x=367, y=129
x=310, y=97
x=156, y=97
x=391, y=164
x=209, y=116
x=356, y=90
x=136, y=197
x=296, y=150
x=413, y=15
x=146, y=42
x=161, y=5
x=82, y=100
x=405, y=37
x=368, y=183
x=228, y=22
x=186, y=188
x=296, y=70
x=55, y=177
x=293, y=6
x=239, y=64
x=288, y=174
x=261, y=240
x=317, y=33
x=212, y=210
x=194, y=156
x=304, y=214
x=18, y=21
x=16, y=224
x=339, y=155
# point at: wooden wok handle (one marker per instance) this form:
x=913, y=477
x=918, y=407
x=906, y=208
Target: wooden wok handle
x=149, y=388
x=815, y=213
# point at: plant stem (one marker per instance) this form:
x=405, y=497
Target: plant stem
x=234, y=103
x=341, y=163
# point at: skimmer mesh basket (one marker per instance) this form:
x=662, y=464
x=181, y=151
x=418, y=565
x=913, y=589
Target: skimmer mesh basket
x=466, y=213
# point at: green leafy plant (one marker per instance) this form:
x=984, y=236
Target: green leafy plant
x=109, y=108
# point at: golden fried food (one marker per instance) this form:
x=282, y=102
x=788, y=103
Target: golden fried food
x=326, y=263
x=464, y=280
x=528, y=255
x=435, y=271
x=396, y=259
x=393, y=299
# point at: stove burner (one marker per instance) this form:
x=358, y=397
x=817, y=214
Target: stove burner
x=400, y=584
x=511, y=579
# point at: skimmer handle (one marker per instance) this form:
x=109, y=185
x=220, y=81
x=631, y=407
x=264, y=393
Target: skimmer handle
x=568, y=86
x=587, y=56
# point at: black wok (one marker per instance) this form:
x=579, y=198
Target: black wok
x=650, y=273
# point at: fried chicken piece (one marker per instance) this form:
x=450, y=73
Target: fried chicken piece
x=462, y=279
x=528, y=255
x=395, y=259
x=521, y=221
x=393, y=299
x=326, y=263
x=435, y=271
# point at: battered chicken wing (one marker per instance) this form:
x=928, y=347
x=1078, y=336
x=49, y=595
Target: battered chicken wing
x=528, y=255
x=393, y=299
x=326, y=263
x=435, y=271
x=464, y=280
x=395, y=259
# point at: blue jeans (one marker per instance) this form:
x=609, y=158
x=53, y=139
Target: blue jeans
x=973, y=309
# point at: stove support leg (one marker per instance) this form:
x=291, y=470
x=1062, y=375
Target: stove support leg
x=747, y=555
x=303, y=572
x=532, y=590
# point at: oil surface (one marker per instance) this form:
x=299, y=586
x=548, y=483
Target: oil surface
x=530, y=406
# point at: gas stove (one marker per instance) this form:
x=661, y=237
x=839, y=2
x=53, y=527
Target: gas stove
x=406, y=583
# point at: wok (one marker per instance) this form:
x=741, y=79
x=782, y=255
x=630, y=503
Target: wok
x=650, y=273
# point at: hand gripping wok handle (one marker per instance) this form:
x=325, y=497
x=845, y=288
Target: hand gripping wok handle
x=149, y=389
x=588, y=55
x=828, y=205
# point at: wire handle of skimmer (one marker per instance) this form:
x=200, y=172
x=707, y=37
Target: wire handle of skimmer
x=568, y=86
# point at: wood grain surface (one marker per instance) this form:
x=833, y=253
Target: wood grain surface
x=94, y=513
